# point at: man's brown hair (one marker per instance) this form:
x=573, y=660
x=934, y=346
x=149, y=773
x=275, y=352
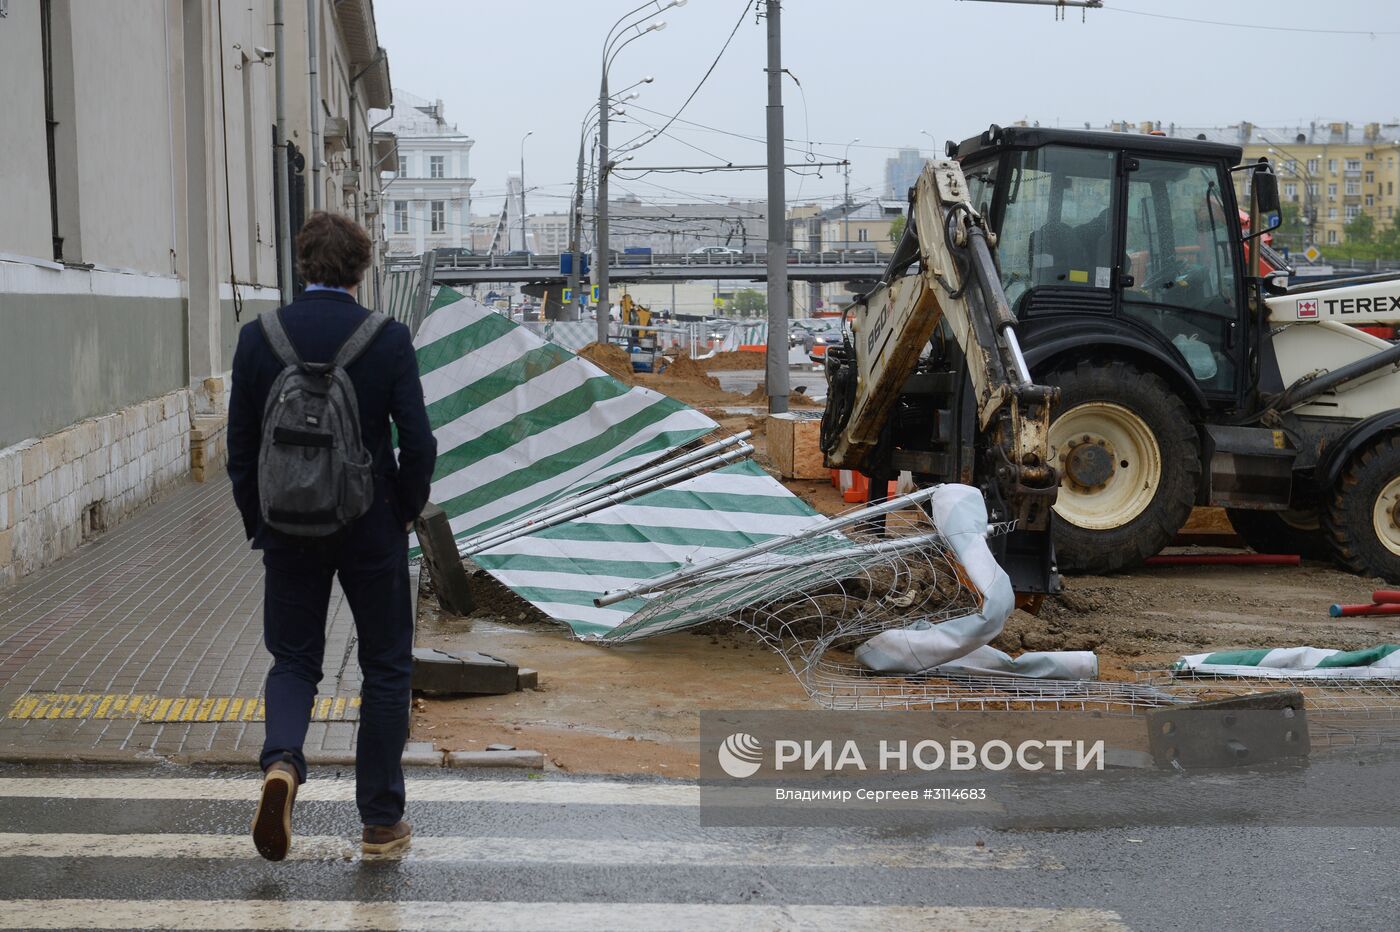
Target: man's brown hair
x=332, y=250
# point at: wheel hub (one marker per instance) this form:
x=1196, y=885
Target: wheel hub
x=1386, y=516
x=1111, y=465
x=1088, y=463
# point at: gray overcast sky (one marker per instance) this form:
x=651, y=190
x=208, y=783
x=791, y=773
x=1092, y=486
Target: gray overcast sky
x=879, y=70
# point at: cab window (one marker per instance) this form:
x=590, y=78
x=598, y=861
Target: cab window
x=1056, y=226
x=1179, y=264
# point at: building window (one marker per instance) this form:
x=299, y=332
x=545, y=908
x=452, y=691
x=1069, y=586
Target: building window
x=1353, y=165
x=1313, y=166
x=1370, y=177
x=1331, y=213
x=403, y=165
x=1290, y=166
x=437, y=216
x=862, y=235
x=1390, y=187
x=1370, y=156
x=1312, y=189
x=1353, y=188
x=1332, y=166
x=1290, y=191
x=435, y=165
x=1370, y=200
x=400, y=216
x=1331, y=237
x=1332, y=190
x=1352, y=211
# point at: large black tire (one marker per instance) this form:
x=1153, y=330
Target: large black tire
x=1363, y=520
x=1137, y=510
x=1297, y=532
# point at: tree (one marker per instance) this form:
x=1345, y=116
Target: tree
x=750, y=301
x=897, y=229
x=1361, y=229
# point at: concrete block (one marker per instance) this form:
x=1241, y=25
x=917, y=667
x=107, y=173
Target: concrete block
x=34, y=462
x=527, y=679
x=422, y=754
x=445, y=569
x=515, y=758
x=468, y=672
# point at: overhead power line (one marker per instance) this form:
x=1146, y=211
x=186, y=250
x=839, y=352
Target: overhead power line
x=1263, y=26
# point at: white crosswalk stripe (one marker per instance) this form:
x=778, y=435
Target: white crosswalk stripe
x=430, y=791
x=536, y=916
x=572, y=832
x=513, y=850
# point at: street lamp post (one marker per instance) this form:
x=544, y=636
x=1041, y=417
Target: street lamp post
x=610, y=53
x=575, y=280
x=1309, y=207
x=846, y=202
x=524, y=240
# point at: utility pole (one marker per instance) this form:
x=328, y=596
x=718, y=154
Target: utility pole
x=524, y=240
x=846, y=198
x=574, y=310
x=601, y=224
x=777, y=375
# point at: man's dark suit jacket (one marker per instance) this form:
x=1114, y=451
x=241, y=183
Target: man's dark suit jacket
x=386, y=385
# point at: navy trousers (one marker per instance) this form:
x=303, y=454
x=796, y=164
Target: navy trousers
x=372, y=564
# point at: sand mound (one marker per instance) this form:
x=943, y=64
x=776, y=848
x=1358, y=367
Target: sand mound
x=742, y=359
x=683, y=368
x=611, y=359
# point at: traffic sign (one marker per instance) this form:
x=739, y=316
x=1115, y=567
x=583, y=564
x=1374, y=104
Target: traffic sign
x=1312, y=253
x=596, y=295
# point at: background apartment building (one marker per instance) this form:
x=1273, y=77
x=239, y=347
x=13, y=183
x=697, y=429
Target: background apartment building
x=139, y=233
x=1332, y=173
x=428, y=188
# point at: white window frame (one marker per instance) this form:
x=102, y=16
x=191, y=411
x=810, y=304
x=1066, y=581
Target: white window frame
x=437, y=216
x=437, y=166
x=401, y=221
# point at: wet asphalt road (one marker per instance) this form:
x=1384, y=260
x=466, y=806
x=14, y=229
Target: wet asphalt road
x=102, y=848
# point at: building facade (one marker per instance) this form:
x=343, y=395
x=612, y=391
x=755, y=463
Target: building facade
x=901, y=172
x=861, y=225
x=1331, y=173
x=140, y=233
x=428, y=185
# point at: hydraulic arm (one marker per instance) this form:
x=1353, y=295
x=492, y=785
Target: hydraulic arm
x=943, y=271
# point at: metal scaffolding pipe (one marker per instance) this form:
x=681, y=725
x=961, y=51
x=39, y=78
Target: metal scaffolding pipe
x=617, y=498
x=625, y=482
x=897, y=503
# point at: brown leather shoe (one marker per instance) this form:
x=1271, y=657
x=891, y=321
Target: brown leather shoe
x=272, y=825
x=381, y=839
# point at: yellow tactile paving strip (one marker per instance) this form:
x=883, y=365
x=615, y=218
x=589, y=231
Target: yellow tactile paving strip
x=148, y=708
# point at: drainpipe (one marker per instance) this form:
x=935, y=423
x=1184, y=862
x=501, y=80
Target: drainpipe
x=313, y=37
x=284, y=210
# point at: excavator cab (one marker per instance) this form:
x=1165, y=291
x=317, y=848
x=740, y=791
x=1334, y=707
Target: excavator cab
x=1134, y=237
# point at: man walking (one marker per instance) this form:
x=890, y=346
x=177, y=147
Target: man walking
x=321, y=496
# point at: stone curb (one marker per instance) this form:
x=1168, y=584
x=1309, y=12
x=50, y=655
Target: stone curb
x=533, y=760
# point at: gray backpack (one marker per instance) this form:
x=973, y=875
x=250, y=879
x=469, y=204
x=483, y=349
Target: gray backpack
x=314, y=474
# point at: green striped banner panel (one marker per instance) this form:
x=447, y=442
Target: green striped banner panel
x=562, y=569
x=1379, y=662
x=521, y=422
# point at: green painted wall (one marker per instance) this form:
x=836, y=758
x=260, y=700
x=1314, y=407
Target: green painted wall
x=70, y=356
x=230, y=327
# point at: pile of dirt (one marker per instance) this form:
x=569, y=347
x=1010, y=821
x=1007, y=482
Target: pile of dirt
x=742, y=359
x=612, y=359
x=796, y=399
x=683, y=368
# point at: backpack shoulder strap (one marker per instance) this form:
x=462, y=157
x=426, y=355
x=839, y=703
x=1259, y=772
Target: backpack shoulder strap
x=276, y=335
x=359, y=339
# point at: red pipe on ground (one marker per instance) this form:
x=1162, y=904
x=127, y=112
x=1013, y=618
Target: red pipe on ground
x=1381, y=596
x=1224, y=559
x=1347, y=611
